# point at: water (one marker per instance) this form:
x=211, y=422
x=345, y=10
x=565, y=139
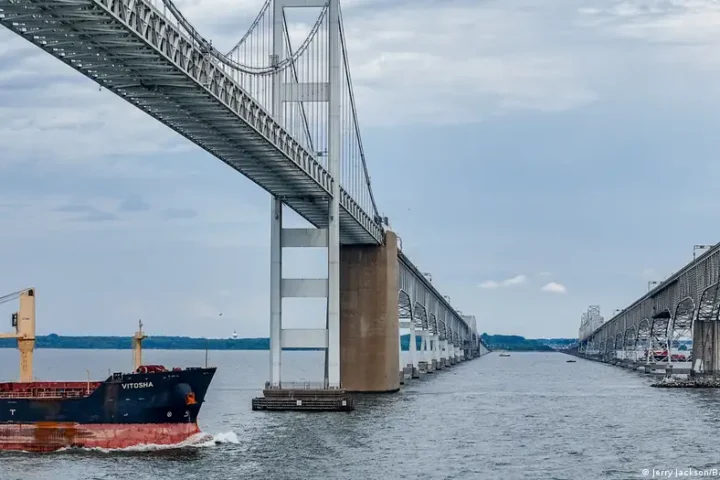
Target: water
x=531, y=415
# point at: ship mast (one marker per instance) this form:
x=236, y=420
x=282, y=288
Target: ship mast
x=24, y=323
x=137, y=346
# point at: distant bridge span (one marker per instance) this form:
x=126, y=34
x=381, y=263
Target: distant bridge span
x=683, y=308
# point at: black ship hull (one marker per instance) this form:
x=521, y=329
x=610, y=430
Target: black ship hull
x=125, y=410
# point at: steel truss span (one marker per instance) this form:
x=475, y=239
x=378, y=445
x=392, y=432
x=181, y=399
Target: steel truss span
x=664, y=317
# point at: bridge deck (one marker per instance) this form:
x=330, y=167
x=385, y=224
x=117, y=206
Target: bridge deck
x=671, y=304
x=130, y=48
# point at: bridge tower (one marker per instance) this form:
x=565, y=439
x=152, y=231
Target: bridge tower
x=328, y=92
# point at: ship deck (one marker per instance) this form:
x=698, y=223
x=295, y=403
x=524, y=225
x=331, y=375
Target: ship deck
x=32, y=390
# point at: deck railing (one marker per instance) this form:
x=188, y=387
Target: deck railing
x=301, y=386
x=50, y=394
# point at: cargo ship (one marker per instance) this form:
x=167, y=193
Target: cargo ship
x=152, y=405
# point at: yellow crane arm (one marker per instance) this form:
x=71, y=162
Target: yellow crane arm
x=24, y=323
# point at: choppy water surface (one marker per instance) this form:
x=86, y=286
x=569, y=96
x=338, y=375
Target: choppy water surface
x=530, y=415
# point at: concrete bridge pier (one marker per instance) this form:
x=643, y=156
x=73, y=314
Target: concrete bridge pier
x=427, y=352
x=409, y=370
x=415, y=371
x=369, y=325
x=370, y=358
x=423, y=364
x=440, y=355
x=706, y=345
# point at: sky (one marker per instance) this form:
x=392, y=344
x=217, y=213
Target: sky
x=535, y=157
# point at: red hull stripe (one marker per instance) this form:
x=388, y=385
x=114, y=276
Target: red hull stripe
x=49, y=436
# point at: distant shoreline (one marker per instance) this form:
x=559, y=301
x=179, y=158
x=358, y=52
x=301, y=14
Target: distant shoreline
x=511, y=343
x=159, y=342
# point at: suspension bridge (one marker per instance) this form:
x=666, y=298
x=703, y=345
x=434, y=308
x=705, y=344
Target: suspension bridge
x=279, y=110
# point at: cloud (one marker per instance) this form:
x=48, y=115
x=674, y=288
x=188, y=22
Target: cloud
x=134, y=204
x=80, y=123
x=510, y=282
x=434, y=51
x=87, y=213
x=220, y=220
x=431, y=51
x=554, y=287
x=657, y=20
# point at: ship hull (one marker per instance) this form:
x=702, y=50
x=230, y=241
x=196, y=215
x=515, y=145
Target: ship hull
x=159, y=408
x=50, y=436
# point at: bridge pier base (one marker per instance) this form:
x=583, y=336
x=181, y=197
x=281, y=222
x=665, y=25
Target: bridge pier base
x=422, y=367
x=706, y=343
x=369, y=323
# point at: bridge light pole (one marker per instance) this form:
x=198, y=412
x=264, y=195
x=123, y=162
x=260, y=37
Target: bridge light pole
x=653, y=282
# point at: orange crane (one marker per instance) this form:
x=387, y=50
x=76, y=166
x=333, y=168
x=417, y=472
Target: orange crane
x=24, y=323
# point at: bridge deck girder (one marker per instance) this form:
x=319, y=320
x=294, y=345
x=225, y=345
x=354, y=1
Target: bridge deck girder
x=131, y=49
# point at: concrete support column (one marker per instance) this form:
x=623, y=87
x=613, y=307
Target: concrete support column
x=438, y=351
x=413, y=347
x=428, y=349
x=422, y=362
x=401, y=364
x=369, y=340
x=706, y=343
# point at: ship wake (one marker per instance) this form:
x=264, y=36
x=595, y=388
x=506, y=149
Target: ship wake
x=199, y=440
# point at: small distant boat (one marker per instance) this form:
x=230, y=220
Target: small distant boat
x=570, y=361
x=504, y=354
